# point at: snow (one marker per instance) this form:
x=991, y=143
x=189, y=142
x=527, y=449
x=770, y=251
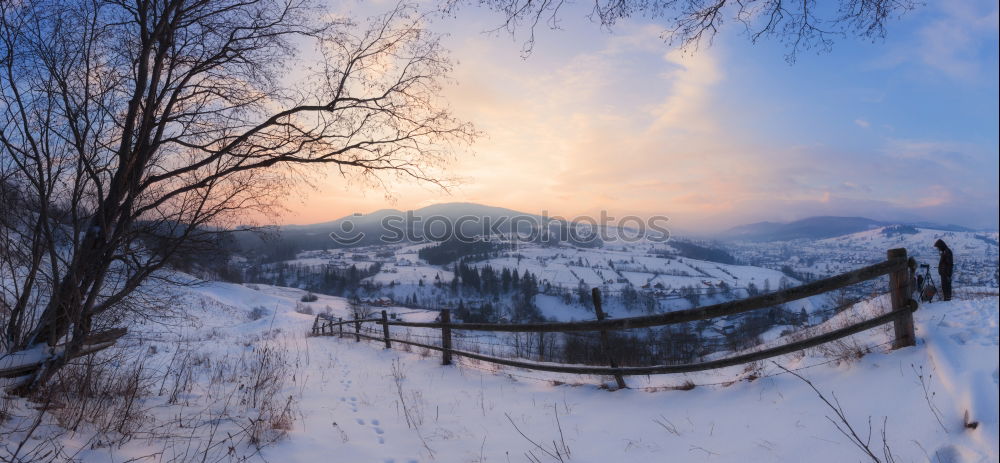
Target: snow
x=772, y=419
x=350, y=407
x=560, y=269
x=976, y=253
x=25, y=357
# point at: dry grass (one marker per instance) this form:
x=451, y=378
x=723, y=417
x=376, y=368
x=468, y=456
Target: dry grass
x=231, y=405
x=753, y=371
x=104, y=392
x=846, y=350
x=687, y=385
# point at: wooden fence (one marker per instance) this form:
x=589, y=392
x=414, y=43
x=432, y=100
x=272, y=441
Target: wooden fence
x=21, y=367
x=896, y=266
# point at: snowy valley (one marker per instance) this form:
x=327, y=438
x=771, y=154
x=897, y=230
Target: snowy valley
x=232, y=372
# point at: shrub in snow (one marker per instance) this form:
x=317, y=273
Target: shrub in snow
x=303, y=309
x=258, y=312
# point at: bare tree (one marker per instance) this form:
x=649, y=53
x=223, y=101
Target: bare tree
x=799, y=25
x=131, y=129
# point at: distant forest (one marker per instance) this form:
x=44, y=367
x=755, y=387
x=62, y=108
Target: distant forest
x=694, y=251
x=452, y=250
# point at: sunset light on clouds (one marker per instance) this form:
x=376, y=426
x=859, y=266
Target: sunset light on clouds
x=421, y=231
x=900, y=129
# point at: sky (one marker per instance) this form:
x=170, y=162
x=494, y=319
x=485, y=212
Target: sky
x=903, y=129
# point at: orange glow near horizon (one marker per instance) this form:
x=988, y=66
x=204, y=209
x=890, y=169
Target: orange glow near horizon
x=621, y=123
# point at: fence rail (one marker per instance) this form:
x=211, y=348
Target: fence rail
x=22, y=370
x=896, y=266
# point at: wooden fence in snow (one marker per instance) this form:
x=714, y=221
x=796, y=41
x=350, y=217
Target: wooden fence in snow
x=897, y=266
x=19, y=368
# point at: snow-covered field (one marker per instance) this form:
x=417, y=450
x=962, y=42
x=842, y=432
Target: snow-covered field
x=559, y=269
x=358, y=402
x=976, y=253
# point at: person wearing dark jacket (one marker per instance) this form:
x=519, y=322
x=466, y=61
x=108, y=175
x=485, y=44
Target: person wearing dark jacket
x=946, y=268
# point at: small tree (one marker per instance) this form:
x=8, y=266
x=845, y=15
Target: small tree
x=359, y=309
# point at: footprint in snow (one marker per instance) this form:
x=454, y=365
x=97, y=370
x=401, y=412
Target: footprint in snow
x=360, y=421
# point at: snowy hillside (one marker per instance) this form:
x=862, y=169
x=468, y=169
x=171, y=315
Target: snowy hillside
x=665, y=279
x=919, y=241
x=357, y=402
x=976, y=253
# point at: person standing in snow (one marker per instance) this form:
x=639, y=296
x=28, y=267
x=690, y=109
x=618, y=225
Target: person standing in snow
x=945, y=268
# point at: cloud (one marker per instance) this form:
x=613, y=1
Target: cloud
x=594, y=121
x=953, y=44
x=936, y=195
x=576, y=139
x=954, y=38
x=952, y=156
x=686, y=106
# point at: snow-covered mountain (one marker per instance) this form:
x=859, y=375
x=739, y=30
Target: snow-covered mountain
x=918, y=241
x=441, y=221
x=813, y=228
x=976, y=253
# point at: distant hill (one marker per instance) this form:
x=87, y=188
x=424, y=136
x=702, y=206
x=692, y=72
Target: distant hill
x=819, y=228
x=431, y=223
x=450, y=211
x=398, y=226
x=379, y=227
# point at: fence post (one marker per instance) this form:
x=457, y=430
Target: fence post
x=357, y=328
x=315, y=323
x=340, y=323
x=446, y=337
x=899, y=283
x=385, y=329
x=605, y=343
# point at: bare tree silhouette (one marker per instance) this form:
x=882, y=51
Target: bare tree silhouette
x=131, y=129
x=799, y=25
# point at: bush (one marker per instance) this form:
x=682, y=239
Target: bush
x=303, y=309
x=258, y=312
x=309, y=297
